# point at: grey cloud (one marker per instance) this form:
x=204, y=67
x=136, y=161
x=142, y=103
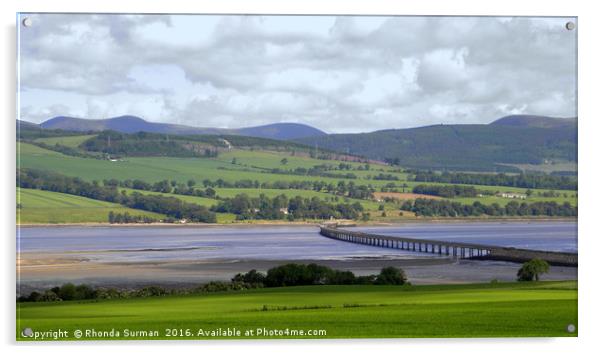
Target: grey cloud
x=432, y=69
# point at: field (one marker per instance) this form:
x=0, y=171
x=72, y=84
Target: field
x=153, y=169
x=248, y=165
x=353, y=311
x=403, y=196
x=43, y=207
x=70, y=141
x=290, y=193
x=222, y=218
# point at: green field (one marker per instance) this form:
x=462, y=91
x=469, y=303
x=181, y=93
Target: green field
x=43, y=207
x=252, y=192
x=222, y=218
x=503, y=201
x=70, y=141
x=153, y=169
x=352, y=311
x=251, y=165
x=291, y=193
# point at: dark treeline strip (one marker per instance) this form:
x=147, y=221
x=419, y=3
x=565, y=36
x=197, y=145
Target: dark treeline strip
x=312, y=171
x=66, y=150
x=446, y=191
x=430, y=207
x=146, y=144
x=294, y=274
x=281, y=207
x=535, y=181
x=349, y=189
x=385, y=177
x=164, y=186
x=28, y=133
x=153, y=144
x=170, y=206
x=127, y=218
x=291, y=274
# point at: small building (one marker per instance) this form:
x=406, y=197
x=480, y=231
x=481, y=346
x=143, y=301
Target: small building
x=512, y=195
x=284, y=211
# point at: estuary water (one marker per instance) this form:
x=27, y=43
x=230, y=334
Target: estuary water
x=239, y=243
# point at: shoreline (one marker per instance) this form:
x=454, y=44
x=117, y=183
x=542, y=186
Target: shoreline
x=310, y=223
x=39, y=271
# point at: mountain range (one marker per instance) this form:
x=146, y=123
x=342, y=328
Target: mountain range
x=133, y=124
x=515, y=139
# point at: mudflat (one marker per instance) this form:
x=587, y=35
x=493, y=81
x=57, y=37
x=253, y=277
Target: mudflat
x=44, y=269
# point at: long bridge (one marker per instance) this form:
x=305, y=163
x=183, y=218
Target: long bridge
x=453, y=249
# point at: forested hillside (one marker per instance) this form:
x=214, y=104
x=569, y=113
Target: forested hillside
x=474, y=147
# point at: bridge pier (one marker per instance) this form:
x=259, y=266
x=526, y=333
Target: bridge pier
x=453, y=249
x=424, y=246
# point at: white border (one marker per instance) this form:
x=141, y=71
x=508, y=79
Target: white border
x=589, y=166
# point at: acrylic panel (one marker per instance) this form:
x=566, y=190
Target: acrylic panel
x=193, y=177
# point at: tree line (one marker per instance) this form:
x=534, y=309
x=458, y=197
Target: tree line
x=66, y=150
x=450, y=191
x=146, y=144
x=432, y=207
x=291, y=274
x=317, y=170
x=281, y=207
x=385, y=177
x=294, y=274
x=127, y=218
x=342, y=188
x=163, y=186
x=523, y=180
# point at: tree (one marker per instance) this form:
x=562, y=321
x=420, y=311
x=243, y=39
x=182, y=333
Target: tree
x=251, y=277
x=190, y=183
x=284, y=161
x=391, y=276
x=532, y=269
x=67, y=291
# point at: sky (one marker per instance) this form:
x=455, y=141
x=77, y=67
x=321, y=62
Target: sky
x=339, y=74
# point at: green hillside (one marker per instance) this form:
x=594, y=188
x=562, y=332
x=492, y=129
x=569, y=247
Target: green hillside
x=460, y=147
x=69, y=141
x=247, y=171
x=44, y=207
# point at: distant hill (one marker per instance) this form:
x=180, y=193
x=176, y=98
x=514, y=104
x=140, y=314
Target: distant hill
x=281, y=131
x=535, y=121
x=25, y=124
x=475, y=147
x=133, y=124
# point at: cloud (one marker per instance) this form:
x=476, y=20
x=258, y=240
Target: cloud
x=340, y=74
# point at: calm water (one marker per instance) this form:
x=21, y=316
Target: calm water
x=548, y=236
x=130, y=244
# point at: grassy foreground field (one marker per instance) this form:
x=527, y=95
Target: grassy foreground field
x=353, y=311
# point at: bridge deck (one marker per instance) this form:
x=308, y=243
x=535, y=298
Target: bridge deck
x=456, y=249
